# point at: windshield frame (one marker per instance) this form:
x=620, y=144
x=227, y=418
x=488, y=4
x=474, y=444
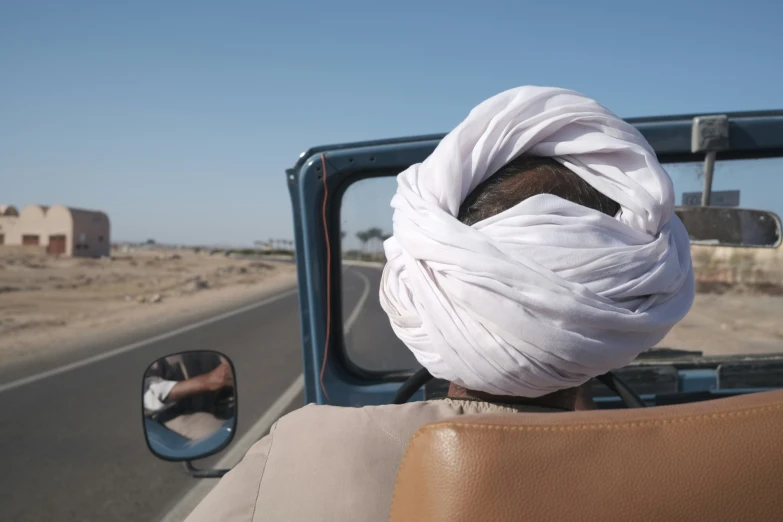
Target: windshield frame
x=752, y=135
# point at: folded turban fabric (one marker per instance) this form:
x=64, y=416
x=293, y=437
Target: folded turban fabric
x=548, y=293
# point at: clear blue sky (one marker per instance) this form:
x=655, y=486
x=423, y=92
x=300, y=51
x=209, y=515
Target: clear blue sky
x=179, y=118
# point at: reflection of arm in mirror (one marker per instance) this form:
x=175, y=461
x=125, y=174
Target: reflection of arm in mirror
x=159, y=393
x=215, y=380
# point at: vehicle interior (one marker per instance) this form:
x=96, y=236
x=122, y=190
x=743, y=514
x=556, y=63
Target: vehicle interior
x=326, y=176
x=657, y=430
x=642, y=454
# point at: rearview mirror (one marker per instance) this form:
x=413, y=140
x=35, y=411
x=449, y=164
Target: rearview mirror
x=189, y=404
x=735, y=227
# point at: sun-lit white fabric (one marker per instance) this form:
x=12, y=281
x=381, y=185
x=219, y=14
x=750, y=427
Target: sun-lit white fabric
x=549, y=293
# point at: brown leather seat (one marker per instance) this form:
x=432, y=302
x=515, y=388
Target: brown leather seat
x=707, y=461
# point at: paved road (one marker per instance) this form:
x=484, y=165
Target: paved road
x=71, y=444
x=370, y=342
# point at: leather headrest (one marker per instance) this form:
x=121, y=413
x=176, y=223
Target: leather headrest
x=706, y=461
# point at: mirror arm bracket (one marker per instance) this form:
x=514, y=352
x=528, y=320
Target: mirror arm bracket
x=709, y=134
x=709, y=168
x=203, y=473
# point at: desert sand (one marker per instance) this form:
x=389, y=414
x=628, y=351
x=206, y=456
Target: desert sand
x=739, y=303
x=48, y=303
x=731, y=323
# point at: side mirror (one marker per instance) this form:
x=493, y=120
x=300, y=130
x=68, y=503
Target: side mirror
x=735, y=227
x=189, y=407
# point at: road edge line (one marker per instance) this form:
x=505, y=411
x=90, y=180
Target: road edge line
x=188, y=502
x=359, y=305
x=117, y=351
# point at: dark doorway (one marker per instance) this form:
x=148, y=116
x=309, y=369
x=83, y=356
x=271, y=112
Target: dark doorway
x=56, y=245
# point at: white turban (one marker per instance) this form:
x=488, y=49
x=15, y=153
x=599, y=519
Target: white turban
x=548, y=293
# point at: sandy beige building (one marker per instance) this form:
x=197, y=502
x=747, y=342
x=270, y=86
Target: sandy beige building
x=61, y=230
x=9, y=217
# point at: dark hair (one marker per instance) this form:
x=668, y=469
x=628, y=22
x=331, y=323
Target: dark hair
x=528, y=176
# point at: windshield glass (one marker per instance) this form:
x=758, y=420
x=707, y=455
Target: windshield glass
x=739, y=297
x=366, y=219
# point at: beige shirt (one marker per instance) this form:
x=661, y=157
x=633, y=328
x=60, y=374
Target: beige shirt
x=327, y=463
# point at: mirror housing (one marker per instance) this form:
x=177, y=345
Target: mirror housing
x=189, y=407
x=732, y=227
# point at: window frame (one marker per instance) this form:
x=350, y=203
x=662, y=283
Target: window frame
x=752, y=135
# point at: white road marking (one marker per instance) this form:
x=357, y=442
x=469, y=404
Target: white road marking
x=368, y=264
x=100, y=357
x=359, y=305
x=196, y=494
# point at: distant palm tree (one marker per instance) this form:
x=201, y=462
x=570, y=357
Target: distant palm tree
x=364, y=237
x=375, y=234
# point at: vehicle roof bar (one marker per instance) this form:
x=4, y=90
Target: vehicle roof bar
x=709, y=134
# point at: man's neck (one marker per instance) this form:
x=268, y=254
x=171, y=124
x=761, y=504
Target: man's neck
x=572, y=399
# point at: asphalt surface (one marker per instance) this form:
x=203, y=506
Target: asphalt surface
x=72, y=446
x=370, y=343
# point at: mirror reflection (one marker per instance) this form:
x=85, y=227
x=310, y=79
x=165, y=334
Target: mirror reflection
x=736, y=227
x=189, y=404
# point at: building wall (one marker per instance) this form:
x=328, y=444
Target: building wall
x=9, y=221
x=87, y=232
x=9, y=229
x=91, y=234
x=754, y=266
x=60, y=222
x=32, y=221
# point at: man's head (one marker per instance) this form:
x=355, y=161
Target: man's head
x=501, y=288
x=528, y=176
x=521, y=178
